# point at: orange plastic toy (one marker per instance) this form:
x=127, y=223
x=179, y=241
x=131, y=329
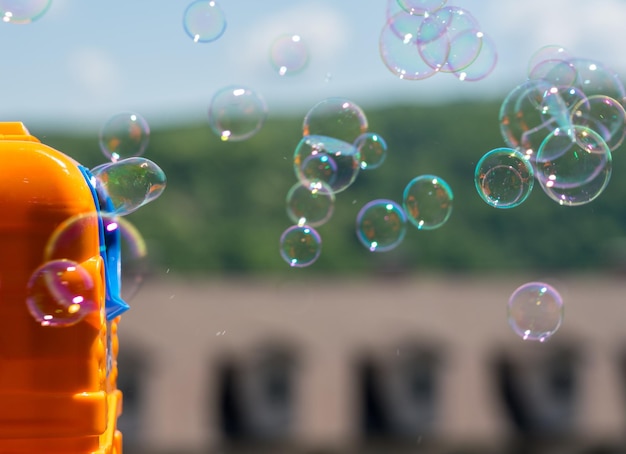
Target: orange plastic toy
x=58, y=390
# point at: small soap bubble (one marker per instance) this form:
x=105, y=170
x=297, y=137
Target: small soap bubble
x=204, y=21
x=23, y=11
x=483, y=65
x=604, y=115
x=289, y=54
x=326, y=159
x=372, y=149
x=399, y=48
x=237, y=113
x=504, y=178
x=300, y=245
x=130, y=183
x=535, y=311
x=60, y=293
x=124, y=135
x=427, y=201
x=310, y=204
x=381, y=225
x=338, y=118
x=573, y=166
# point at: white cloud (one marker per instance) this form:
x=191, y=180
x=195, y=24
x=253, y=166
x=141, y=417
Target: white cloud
x=95, y=72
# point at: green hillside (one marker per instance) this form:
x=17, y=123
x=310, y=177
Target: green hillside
x=224, y=207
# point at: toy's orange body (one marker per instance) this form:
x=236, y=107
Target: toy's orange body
x=58, y=389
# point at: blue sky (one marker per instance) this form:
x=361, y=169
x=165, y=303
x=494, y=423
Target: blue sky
x=84, y=61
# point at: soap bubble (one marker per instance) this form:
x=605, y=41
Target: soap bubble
x=61, y=293
x=552, y=53
x=595, y=78
x=326, y=159
x=427, y=201
x=381, y=225
x=483, y=65
x=23, y=11
x=535, y=311
x=300, y=245
x=373, y=150
x=604, y=115
x=310, y=204
x=399, y=48
x=204, y=21
x=124, y=135
x=529, y=113
x=574, y=165
x=504, y=178
x=130, y=183
x=289, y=54
x=338, y=118
x=237, y=113
x=72, y=240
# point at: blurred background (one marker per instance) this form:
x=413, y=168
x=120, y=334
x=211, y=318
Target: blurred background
x=228, y=349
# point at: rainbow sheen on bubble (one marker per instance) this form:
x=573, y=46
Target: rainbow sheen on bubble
x=61, y=293
x=124, y=135
x=484, y=63
x=338, y=118
x=84, y=227
x=237, y=113
x=204, y=21
x=504, y=178
x=420, y=7
x=535, y=311
x=326, y=159
x=427, y=202
x=130, y=183
x=573, y=166
x=310, y=204
x=23, y=11
x=372, y=149
x=300, y=246
x=381, y=225
x=604, y=115
x=595, y=78
x=289, y=54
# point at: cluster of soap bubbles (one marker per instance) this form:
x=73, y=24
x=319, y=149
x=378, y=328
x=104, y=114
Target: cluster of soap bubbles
x=335, y=147
x=565, y=121
x=23, y=11
x=62, y=291
x=424, y=37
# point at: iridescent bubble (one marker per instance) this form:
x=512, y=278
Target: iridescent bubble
x=381, y=225
x=427, y=202
x=604, y=115
x=399, y=51
x=484, y=63
x=61, y=293
x=204, y=21
x=300, y=245
x=23, y=11
x=595, y=78
x=504, y=178
x=289, y=54
x=551, y=63
x=529, y=113
x=310, y=204
x=130, y=183
x=373, y=150
x=549, y=53
x=420, y=7
x=124, y=135
x=326, y=159
x=71, y=239
x=335, y=117
x=237, y=113
x=535, y=311
x=573, y=166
